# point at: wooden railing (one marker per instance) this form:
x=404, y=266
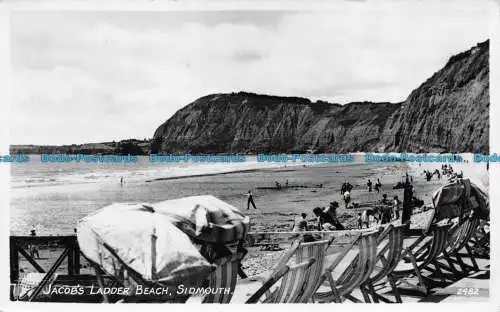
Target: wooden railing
x=68, y=244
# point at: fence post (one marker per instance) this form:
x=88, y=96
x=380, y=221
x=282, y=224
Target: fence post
x=407, y=202
x=14, y=261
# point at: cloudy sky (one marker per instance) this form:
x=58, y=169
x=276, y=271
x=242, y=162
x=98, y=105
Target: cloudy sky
x=90, y=76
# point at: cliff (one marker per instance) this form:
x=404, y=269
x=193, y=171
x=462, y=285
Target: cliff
x=447, y=113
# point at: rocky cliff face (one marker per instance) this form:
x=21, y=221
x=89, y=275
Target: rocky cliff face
x=447, y=113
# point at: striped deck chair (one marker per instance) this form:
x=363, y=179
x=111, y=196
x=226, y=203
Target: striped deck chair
x=291, y=284
x=316, y=251
x=224, y=279
x=459, y=240
x=422, y=255
x=356, y=273
x=293, y=280
x=480, y=242
x=388, y=255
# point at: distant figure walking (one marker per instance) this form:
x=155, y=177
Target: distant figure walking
x=121, y=180
x=369, y=184
x=378, y=186
x=250, y=200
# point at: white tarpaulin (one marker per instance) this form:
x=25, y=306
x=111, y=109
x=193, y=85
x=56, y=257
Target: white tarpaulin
x=145, y=241
x=206, y=218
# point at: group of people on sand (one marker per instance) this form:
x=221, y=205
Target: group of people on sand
x=384, y=212
x=326, y=220
x=446, y=170
x=378, y=185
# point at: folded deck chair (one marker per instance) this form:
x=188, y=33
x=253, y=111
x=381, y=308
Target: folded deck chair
x=389, y=253
x=356, y=273
x=422, y=255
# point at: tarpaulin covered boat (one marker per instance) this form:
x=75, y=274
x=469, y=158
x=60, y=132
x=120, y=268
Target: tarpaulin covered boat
x=133, y=240
x=206, y=218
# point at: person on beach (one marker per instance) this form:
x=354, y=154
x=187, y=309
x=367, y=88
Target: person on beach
x=332, y=209
x=378, y=186
x=360, y=221
x=286, y=183
x=121, y=181
x=250, y=200
x=278, y=185
x=301, y=224
x=365, y=219
x=436, y=172
x=326, y=222
x=32, y=249
x=347, y=198
x=369, y=183
x=396, y=206
x=346, y=186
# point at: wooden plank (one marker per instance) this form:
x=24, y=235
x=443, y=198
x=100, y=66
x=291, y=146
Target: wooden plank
x=14, y=262
x=31, y=260
x=43, y=239
x=49, y=274
x=76, y=265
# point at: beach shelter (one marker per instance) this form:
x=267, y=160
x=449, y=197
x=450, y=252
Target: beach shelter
x=127, y=240
x=206, y=218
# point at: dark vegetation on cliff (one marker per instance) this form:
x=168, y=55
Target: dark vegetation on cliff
x=447, y=113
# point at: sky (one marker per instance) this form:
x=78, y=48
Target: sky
x=93, y=76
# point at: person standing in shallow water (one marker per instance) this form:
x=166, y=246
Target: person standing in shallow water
x=369, y=184
x=250, y=200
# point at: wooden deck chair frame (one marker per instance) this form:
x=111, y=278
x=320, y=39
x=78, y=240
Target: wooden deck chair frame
x=224, y=277
x=388, y=258
x=134, y=277
x=481, y=240
x=317, y=251
x=291, y=286
x=297, y=281
x=423, y=257
x=459, y=240
x=357, y=272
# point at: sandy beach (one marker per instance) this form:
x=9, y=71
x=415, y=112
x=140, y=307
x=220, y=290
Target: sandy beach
x=277, y=209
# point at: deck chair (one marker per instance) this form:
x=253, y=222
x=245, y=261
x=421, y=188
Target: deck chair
x=224, y=277
x=292, y=280
x=355, y=275
x=459, y=240
x=480, y=242
x=130, y=278
x=291, y=284
x=317, y=251
x=388, y=257
x=423, y=254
